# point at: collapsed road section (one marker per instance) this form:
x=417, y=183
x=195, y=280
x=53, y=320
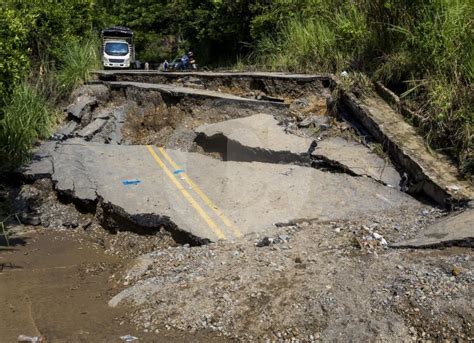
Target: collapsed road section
x=428, y=171
x=174, y=188
x=256, y=208
x=208, y=165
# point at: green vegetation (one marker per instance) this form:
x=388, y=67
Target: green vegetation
x=77, y=62
x=424, y=50
x=27, y=118
x=46, y=49
x=421, y=49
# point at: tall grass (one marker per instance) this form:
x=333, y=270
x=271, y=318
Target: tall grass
x=332, y=40
x=295, y=47
x=77, y=62
x=27, y=118
x=30, y=114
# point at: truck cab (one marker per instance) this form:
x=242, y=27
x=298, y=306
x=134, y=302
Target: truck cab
x=118, y=50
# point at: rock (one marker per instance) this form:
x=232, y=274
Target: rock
x=90, y=130
x=456, y=271
x=72, y=223
x=265, y=242
x=30, y=194
x=65, y=131
x=319, y=121
x=380, y=238
x=99, y=91
x=80, y=107
x=29, y=219
x=25, y=202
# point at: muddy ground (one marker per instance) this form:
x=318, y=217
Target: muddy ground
x=56, y=285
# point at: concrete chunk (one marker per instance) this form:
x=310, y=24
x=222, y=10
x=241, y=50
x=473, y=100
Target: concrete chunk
x=41, y=165
x=66, y=130
x=77, y=110
x=456, y=229
x=358, y=159
x=90, y=130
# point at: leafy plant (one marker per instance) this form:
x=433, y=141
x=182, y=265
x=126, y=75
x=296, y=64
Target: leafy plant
x=78, y=59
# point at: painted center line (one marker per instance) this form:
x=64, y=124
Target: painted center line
x=202, y=195
x=212, y=225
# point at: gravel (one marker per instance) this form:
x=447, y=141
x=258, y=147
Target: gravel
x=316, y=283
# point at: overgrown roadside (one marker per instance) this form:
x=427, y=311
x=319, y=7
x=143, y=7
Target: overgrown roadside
x=423, y=52
x=46, y=52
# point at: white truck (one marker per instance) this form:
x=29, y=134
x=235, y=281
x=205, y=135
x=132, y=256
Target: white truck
x=118, y=50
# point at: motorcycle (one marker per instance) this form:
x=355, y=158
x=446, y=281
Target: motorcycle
x=183, y=63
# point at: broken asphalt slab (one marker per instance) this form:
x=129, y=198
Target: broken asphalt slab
x=224, y=200
x=456, y=229
x=358, y=159
x=431, y=171
x=82, y=104
x=91, y=129
x=260, y=138
x=279, y=85
x=427, y=170
x=41, y=164
x=123, y=74
x=222, y=98
x=254, y=138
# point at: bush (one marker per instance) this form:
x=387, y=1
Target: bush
x=14, y=62
x=27, y=117
x=76, y=62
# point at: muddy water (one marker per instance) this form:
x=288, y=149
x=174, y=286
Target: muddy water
x=56, y=287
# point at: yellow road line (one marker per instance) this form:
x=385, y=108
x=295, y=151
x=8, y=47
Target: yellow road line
x=202, y=195
x=217, y=231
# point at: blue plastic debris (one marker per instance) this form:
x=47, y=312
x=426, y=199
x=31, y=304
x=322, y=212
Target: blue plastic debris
x=131, y=182
x=178, y=171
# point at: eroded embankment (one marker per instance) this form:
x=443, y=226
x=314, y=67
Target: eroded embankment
x=251, y=85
